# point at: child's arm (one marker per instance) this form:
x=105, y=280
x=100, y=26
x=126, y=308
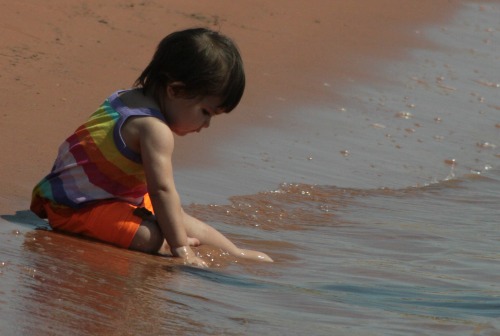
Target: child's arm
x=156, y=145
x=210, y=236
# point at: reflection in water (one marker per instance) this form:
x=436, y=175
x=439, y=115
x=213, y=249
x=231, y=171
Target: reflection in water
x=96, y=288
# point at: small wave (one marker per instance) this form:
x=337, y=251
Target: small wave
x=427, y=301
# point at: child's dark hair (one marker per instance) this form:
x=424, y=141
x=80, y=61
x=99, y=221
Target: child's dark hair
x=206, y=62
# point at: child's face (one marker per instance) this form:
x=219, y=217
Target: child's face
x=188, y=115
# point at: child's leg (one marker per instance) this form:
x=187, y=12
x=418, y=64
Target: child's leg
x=149, y=238
x=210, y=236
x=110, y=222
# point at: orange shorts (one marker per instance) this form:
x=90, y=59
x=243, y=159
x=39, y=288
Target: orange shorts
x=113, y=222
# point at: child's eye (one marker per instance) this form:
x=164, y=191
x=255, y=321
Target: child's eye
x=206, y=112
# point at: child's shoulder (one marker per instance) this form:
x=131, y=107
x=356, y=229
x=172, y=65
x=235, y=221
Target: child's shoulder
x=150, y=131
x=134, y=129
x=135, y=98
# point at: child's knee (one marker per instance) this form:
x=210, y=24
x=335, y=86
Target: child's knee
x=148, y=238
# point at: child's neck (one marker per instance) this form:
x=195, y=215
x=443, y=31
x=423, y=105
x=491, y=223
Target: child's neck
x=136, y=98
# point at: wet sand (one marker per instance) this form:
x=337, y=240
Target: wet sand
x=60, y=60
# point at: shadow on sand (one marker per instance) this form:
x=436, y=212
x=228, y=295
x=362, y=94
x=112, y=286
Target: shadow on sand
x=27, y=219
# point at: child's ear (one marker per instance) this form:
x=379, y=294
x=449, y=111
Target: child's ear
x=176, y=90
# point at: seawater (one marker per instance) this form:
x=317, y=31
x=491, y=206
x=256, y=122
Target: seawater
x=382, y=217
x=412, y=261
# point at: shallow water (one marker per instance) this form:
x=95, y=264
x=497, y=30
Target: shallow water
x=381, y=212
x=419, y=260
x=432, y=115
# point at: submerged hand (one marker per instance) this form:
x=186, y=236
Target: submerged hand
x=190, y=258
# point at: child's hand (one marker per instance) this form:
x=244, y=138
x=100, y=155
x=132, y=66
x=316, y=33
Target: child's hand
x=190, y=258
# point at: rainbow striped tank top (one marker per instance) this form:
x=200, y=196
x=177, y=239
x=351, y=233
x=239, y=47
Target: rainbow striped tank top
x=94, y=163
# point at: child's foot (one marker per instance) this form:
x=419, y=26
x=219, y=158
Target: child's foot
x=254, y=255
x=193, y=241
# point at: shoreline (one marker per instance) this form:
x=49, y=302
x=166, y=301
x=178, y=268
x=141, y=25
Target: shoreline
x=91, y=49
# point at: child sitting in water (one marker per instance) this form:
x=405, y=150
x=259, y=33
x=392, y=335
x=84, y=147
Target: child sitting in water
x=113, y=180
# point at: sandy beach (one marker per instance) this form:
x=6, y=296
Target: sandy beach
x=61, y=59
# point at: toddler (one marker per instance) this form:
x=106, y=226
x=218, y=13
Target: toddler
x=113, y=178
